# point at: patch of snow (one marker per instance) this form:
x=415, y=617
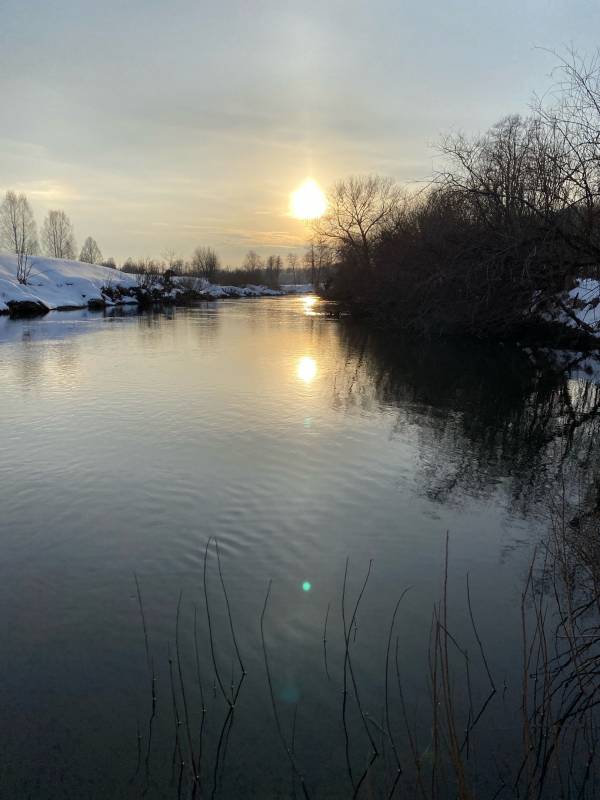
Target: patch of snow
x=577, y=365
x=586, y=369
x=586, y=299
x=57, y=283
x=583, y=305
x=297, y=288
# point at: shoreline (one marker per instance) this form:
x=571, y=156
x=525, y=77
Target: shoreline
x=61, y=285
x=32, y=308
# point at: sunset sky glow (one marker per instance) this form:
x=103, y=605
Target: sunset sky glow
x=165, y=126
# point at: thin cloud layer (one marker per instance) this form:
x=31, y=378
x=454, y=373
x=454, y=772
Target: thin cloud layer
x=171, y=125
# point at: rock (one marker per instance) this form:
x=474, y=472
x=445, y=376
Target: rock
x=96, y=304
x=26, y=308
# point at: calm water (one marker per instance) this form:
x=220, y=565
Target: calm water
x=297, y=440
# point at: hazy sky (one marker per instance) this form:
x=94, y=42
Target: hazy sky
x=169, y=124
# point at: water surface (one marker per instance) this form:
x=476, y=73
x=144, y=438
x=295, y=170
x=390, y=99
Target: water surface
x=297, y=440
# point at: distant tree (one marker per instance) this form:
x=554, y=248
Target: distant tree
x=292, y=260
x=253, y=267
x=358, y=208
x=57, y=235
x=130, y=266
x=109, y=262
x=174, y=263
x=252, y=261
x=273, y=271
x=205, y=262
x=148, y=271
x=18, y=233
x=318, y=258
x=90, y=252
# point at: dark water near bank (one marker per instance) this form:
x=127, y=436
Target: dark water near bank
x=297, y=440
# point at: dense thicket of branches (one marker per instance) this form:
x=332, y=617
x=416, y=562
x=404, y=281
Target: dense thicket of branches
x=505, y=227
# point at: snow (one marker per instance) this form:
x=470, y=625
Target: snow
x=297, y=288
x=216, y=291
x=57, y=283
x=584, y=301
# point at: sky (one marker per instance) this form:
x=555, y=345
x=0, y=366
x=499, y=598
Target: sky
x=161, y=126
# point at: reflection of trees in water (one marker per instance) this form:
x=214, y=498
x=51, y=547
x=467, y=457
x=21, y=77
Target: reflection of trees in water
x=482, y=414
x=155, y=326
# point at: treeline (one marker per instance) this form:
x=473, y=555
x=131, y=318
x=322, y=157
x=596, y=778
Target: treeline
x=19, y=235
x=272, y=271
x=496, y=238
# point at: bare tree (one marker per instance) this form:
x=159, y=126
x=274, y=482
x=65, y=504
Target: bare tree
x=292, y=260
x=252, y=261
x=273, y=271
x=317, y=259
x=57, y=235
x=90, y=252
x=574, y=120
x=18, y=232
x=109, y=262
x=205, y=262
x=148, y=273
x=358, y=208
x=253, y=267
x=174, y=263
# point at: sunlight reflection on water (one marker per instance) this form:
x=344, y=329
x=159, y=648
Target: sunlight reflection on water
x=307, y=369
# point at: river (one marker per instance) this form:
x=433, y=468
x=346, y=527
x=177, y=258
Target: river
x=307, y=448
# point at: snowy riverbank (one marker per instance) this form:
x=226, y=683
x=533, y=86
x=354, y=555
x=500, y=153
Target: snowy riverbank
x=55, y=284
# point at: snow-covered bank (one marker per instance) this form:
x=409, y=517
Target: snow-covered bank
x=215, y=291
x=56, y=284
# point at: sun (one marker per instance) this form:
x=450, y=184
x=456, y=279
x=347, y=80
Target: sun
x=308, y=201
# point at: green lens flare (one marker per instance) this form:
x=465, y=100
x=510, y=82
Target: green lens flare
x=307, y=586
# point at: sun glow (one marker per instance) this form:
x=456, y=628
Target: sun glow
x=307, y=369
x=309, y=304
x=308, y=201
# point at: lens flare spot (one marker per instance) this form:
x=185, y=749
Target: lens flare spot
x=306, y=586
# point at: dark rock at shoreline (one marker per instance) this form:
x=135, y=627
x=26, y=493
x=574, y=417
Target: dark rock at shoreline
x=96, y=304
x=26, y=308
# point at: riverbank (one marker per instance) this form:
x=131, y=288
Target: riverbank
x=566, y=320
x=61, y=285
